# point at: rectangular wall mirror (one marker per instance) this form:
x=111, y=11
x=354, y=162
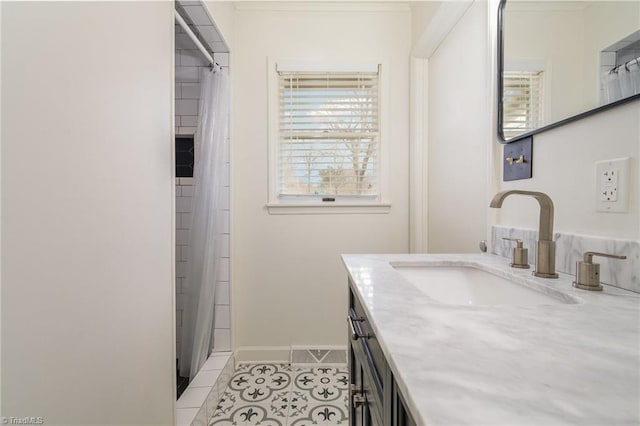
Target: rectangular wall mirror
x=559, y=61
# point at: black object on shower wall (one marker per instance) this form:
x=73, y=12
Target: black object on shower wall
x=184, y=156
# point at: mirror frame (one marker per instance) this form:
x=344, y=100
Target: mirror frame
x=549, y=126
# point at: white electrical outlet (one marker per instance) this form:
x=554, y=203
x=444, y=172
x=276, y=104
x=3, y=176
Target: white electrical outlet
x=609, y=183
x=612, y=181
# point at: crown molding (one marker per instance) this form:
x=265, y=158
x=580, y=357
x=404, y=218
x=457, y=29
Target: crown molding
x=322, y=6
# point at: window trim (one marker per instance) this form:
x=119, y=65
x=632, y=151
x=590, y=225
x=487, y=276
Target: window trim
x=346, y=205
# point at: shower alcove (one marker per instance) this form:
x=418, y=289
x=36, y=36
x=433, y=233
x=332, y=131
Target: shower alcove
x=199, y=46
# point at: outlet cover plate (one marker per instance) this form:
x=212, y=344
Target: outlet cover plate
x=612, y=185
x=514, y=150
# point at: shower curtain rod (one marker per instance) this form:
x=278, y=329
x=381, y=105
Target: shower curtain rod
x=193, y=38
x=626, y=64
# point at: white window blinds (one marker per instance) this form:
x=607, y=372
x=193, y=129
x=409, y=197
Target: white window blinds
x=328, y=134
x=522, y=102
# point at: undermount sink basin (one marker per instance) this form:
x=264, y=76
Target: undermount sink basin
x=462, y=285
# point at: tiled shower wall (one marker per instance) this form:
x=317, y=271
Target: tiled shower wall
x=189, y=65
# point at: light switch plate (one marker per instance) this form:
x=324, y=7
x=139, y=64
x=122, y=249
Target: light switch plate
x=517, y=160
x=612, y=185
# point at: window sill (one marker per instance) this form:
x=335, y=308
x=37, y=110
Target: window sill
x=324, y=208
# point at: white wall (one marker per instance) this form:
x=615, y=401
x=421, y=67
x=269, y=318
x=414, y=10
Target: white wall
x=289, y=283
x=458, y=136
x=422, y=13
x=563, y=167
x=87, y=212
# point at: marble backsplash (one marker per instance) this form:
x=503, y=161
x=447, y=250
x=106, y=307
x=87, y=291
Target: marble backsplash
x=570, y=248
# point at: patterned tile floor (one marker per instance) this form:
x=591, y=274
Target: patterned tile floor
x=281, y=395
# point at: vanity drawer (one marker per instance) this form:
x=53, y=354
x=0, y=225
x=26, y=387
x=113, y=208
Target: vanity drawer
x=366, y=404
x=374, y=397
x=369, y=345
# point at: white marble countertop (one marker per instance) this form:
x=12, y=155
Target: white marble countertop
x=549, y=364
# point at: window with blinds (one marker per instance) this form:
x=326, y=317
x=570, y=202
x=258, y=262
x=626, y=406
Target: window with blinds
x=522, y=102
x=328, y=144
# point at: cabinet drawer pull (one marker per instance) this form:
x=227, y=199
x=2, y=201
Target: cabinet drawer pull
x=359, y=400
x=354, y=334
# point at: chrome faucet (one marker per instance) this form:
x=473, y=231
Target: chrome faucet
x=546, y=250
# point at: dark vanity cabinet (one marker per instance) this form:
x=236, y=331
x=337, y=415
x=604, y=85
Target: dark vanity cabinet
x=373, y=395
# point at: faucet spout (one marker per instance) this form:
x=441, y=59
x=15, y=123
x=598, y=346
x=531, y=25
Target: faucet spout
x=545, y=227
x=546, y=252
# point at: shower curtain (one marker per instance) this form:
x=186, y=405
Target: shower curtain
x=621, y=82
x=205, y=242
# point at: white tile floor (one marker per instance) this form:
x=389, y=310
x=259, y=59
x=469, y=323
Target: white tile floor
x=281, y=395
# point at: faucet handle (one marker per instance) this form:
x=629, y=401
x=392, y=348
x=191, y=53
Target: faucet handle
x=517, y=240
x=588, y=256
x=520, y=256
x=588, y=273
